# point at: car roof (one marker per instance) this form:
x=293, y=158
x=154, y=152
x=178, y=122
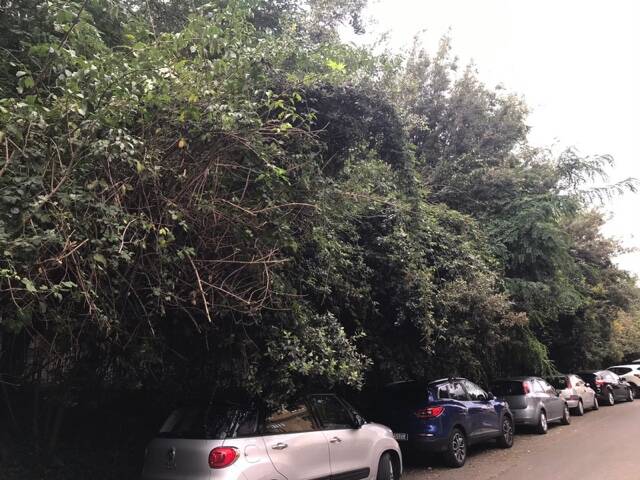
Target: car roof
x=445, y=380
x=628, y=365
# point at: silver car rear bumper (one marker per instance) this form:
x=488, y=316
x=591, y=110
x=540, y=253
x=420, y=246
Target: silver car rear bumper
x=525, y=416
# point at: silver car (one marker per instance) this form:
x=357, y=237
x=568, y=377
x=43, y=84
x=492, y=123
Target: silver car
x=533, y=402
x=578, y=393
x=321, y=436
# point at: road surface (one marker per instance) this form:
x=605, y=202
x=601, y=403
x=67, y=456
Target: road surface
x=601, y=445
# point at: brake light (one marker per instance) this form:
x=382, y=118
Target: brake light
x=525, y=387
x=429, y=412
x=600, y=382
x=221, y=457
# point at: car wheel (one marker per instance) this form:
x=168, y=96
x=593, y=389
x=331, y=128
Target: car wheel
x=506, y=439
x=456, y=453
x=579, y=411
x=630, y=395
x=611, y=400
x=385, y=468
x=596, y=405
x=566, y=416
x=542, y=426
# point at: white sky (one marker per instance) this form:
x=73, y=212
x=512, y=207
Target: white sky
x=576, y=62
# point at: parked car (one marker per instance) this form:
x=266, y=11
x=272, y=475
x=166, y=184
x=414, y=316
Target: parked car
x=533, y=402
x=445, y=416
x=321, y=436
x=608, y=386
x=578, y=394
x=631, y=373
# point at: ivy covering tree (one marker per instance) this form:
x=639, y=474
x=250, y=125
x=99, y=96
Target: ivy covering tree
x=198, y=196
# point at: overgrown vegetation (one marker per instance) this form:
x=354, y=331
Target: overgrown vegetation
x=206, y=195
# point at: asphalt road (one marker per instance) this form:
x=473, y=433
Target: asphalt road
x=601, y=445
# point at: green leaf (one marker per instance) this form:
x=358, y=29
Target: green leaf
x=28, y=82
x=336, y=66
x=29, y=285
x=98, y=257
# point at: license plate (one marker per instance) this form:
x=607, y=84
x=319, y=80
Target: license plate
x=401, y=436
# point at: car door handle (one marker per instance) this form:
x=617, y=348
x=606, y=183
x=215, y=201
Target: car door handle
x=279, y=446
x=335, y=440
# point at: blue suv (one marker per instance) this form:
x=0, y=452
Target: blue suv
x=445, y=416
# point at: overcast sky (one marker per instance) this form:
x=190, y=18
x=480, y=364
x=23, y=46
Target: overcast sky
x=576, y=62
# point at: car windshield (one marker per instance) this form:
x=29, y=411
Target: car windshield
x=559, y=383
x=505, y=388
x=217, y=421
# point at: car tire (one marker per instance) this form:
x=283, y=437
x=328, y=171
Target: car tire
x=596, y=405
x=456, y=453
x=543, y=427
x=579, y=410
x=630, y=395
x=506, y=439
x=385, y=468
x=611, y=400
x=566, y=416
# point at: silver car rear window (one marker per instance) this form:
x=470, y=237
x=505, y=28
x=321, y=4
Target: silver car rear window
x=507, y=388
x=559, y=382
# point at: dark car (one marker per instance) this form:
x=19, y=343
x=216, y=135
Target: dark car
x=609, y=387
x=533, y=402
x=445, y=416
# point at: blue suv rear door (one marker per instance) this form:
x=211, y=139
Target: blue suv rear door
x=485, y=420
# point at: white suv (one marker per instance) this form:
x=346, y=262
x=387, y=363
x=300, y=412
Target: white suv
x=631, y=373
x=320, y=437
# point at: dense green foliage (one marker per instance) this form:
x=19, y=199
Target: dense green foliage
x=201, y=195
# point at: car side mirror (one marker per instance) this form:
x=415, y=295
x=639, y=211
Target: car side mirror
x=490, y=396
x=358, y=421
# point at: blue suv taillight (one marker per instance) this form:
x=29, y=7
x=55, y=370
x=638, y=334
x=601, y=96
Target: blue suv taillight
x=429, y=412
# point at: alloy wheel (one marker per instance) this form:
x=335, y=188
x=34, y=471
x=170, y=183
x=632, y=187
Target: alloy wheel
x=612, y=399
x=580, y=408
x=458, y=446
x=507, y=431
